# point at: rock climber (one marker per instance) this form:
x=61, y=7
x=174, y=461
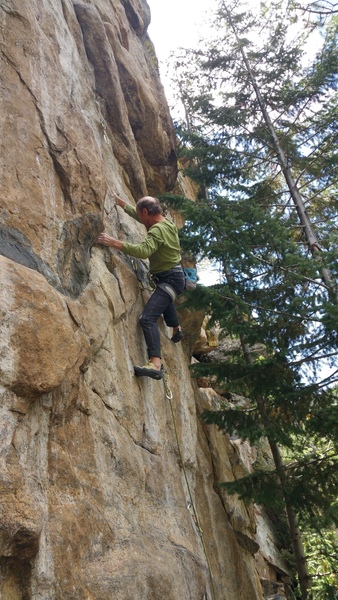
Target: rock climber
x=162, y=247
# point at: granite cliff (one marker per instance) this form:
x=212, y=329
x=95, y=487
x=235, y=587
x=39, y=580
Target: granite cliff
x=93, y=490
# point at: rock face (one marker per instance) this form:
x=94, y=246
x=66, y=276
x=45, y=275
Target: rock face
x=94, y=486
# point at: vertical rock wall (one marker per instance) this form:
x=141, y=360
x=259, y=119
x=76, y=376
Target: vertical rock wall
x=93, y=495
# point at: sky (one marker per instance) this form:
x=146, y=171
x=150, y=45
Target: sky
x=175, y=24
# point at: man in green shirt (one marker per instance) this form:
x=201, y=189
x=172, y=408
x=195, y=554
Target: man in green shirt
x=161, y=246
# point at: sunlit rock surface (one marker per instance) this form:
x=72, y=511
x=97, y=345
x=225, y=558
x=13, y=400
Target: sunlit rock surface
x=94, y=499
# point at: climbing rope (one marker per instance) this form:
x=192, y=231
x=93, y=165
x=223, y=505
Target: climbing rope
x=190, y=504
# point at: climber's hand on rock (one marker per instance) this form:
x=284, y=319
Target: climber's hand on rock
x=104, y=239
x=107, y=240
x=119, y=201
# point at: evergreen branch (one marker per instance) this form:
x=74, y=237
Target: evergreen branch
x=325, y=11
x=325, y=555
x=327, y=140
x=272, y=311
x=307, y=183
x=311, y=198
x=321, y=221
x=300, y=111
x=308, y=279
x=303, y=462
x=310, y=163
x=254, y=136
x=251, y=277
x=313, y=358
x=262, y=159
x=327, y=380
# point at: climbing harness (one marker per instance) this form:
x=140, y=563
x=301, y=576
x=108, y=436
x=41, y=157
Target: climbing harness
x=190, y=504
x=168, y=289
x=142, y=275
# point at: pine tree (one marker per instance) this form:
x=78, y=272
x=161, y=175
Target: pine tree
x=261, y=141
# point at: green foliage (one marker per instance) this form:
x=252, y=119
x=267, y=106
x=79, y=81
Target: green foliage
x=275, y=295
x=258, y=486
x=322, y=552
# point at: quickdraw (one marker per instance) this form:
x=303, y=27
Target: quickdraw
x=191, y=509
x=104, y=127
x=168, y=392
x=141, y=274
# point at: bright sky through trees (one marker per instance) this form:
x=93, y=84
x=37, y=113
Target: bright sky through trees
x=176, y=24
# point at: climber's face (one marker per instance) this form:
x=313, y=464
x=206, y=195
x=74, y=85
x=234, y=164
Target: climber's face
x=145, y=218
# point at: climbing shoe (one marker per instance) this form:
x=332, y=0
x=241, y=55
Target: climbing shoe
x=148, y=371
x=178, y=336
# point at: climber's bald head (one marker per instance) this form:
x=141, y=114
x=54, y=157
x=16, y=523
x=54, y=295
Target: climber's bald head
x=151, y=204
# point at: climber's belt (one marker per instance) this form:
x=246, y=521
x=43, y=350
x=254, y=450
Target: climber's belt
x=176, y=269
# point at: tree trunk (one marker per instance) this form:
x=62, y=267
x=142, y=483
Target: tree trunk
x=302, y=570
x=298, y=549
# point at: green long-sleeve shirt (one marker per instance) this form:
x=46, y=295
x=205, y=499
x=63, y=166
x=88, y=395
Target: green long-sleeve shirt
x=161, y=245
